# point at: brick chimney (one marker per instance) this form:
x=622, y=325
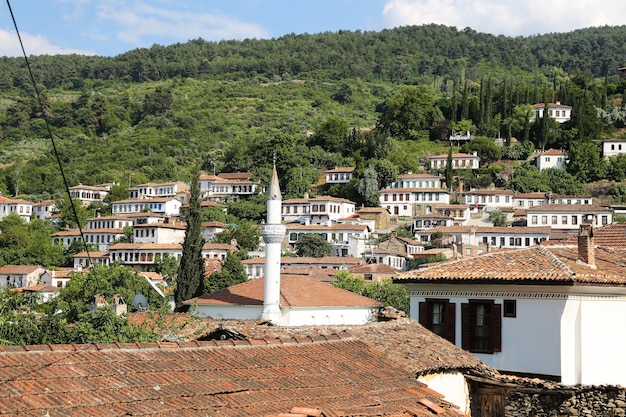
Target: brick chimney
x=586, y=251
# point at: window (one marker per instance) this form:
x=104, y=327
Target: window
x=510, y=308
x=544, y=219
x=533, y=219
x=574, y=219
x=481, y=326
x=605, y=220
x=554, y=219
x=564, y=219
x=438, y=316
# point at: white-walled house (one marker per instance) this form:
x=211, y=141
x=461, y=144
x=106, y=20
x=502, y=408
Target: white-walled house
x=489, y=199
x=211, y=229
x=318, y=210
x=82, y=260
x=255, y=266
x=559, y=112
x=235, y=186
x=408, y=202
x=568, y=217
x=459, y=161
x=303, y=301
x=152, y=190
x=488, y=237
x=44, y=209
x=169, y=232
x=552, y=158
x=341, y=175
x=613, y=147
x=411, y=180
x=57, y=277
x=22, y=208
x=88, y=194
x=165, y=206
x=337, y=234
x=20, y=275
x=552, y=310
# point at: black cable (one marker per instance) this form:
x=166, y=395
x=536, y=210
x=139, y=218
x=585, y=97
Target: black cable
x=54, y=147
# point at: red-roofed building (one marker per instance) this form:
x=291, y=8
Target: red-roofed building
x=341, y=175
x=459, y=161
x=20, y=275
x=552, y=158
x=303, y=301
x=554, y=310
x=559, y=112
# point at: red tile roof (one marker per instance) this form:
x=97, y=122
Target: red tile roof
x=340, y=169
x=551, y=265
x=295, y=291
x=18, y=269
x=326, y=260
x=577, y=208
x=232, y=378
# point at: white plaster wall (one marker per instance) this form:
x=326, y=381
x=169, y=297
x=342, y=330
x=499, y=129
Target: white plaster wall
x=228, y=312
x=328, y=315
x=570, y=343
x=452, y=386
x=603, y=341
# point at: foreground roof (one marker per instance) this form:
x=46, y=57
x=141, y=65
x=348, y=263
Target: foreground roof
x=331, y=374
x=553, y=265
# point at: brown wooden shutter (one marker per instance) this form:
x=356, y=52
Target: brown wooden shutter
x=450, y=322
x=496, y=327
x=422, y=312
x=466, y=326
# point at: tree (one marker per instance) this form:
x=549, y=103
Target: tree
x=331, y=135
x=618, y=192
x=585, y=162
x=562, y=182
x=232, y=273
x=410, y=114
x=498, y=218
x=527, y=178
x=68, y=215
x=388, y=293
x=486, y=149
x=367, y=187
x=189, y=279
x=246, y=233
x=312, y=245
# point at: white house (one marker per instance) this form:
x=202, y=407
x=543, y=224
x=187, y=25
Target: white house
x=167, y=232
x=303, y=301
x=88, y=194
x=318, y=210
x=568, y=217
x=20, y=275
x=82, y=260
x=559, y=112
x=165, y=206
x=152, y=190
x=255, y=266
x=66, y=237
x=338, y=235
x=408, y=202
x=212, y=228
x=236, y=186
x=411, y=180
x=552, y=158
x=459, y=213
x=22, y=208
x=465, y=237
x=44, y=209
x=430, y=221
x=57, y=277
x=489, y=199
x=341, y=175
x=459, y=161
x=552, y=310
x=613, y=147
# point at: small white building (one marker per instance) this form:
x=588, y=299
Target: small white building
x=411, y=180
x=459, y=161
x=303, y=301
x=408, y=202
x=568, y=217
x=489, y=199
x=255, y=266
x=338, y=235
x=552, y=158
x=22, y=208
x=20, y=275
x=168, y=232
x=341, y=175
x=487, y=237
x=44, y=209
x=88, y=194
x=613, y=147
x=153, y=190
x=57, y=277
x=236, y=186
x=559, y=112
x=546, y=310
x=82, y=260
x=211, y=229
x=318, y=210
x=165, y=206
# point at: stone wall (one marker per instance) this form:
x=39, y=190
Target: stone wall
x=566, y=402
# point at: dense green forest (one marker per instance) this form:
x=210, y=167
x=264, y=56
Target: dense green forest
x=380, y=99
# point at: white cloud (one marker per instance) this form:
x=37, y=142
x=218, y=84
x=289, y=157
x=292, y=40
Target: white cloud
x=140, y=20
x=33, y=44
x=506, y=17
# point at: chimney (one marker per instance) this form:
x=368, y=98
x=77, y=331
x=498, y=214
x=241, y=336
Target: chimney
x=586, y=251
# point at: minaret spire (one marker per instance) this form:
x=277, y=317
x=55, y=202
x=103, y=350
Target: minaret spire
x=273, y=232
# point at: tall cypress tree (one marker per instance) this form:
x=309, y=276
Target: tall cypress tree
x=189, y=282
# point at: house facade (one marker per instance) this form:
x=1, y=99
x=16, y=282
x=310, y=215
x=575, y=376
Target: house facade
x=552, y=158
x=459, y=161
x=341, y=175
x=409, y=202
x=613, y=147
x=18, y=276
x=346, y=239
x=88, y=194
x=540, y=310
x=165, y=206
x=559, y=112
x=318, y=210
x=567, y=218
x=235, y=186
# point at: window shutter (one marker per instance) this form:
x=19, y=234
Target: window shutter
x=496, y=327
x=422, y=312
x=450, y=322
x=466, y=327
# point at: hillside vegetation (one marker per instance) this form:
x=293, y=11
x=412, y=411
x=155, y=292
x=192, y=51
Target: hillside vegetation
x=385, y=99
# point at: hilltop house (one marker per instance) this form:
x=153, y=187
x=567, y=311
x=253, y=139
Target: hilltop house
x=559, y=112
x=20, y=275
x=235, y=185
x=318, y=210
x=341, y=175
x=346, y=239
x=88, y=194
x=613, y=147
x=459, y=161
x=541, y=310
x=552, y=158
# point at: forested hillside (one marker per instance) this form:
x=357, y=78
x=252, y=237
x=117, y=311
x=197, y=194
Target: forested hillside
x=381, y=99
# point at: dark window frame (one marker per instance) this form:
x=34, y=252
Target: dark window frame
x=485, y=338
x=509, y=308
x=447, y=327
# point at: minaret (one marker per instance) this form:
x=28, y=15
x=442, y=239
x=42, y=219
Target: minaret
x=273, y=234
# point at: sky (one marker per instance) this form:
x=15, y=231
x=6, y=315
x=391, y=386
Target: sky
x=112, y=27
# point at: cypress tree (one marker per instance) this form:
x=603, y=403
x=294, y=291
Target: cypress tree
x=189, y=282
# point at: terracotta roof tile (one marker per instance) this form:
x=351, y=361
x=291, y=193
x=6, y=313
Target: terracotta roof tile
x=336, y=375
x=318, y=294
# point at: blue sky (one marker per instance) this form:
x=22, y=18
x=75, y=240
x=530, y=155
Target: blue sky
x=111, y=27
